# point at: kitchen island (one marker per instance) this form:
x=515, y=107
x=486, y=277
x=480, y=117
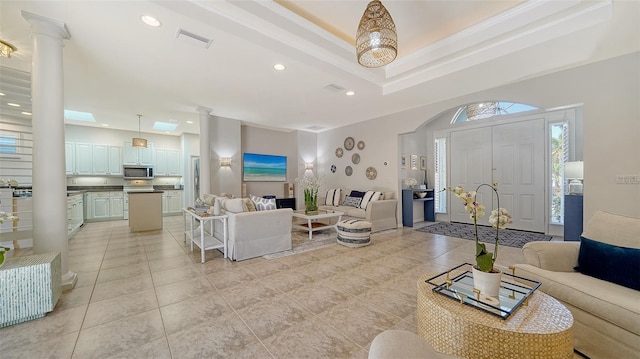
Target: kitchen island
x=145, y=211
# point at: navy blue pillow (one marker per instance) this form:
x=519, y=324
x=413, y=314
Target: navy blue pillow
x=614, y=264
x=357, y=194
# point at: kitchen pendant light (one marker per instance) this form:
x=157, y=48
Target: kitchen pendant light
x=139, y=141
x=376, y=39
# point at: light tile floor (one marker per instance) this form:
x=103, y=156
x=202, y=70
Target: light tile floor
x=146, y=295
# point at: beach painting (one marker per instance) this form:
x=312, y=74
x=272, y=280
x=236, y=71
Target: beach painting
x=264, y=168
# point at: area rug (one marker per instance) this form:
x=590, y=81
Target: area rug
x=507, y=237
x=301, y=243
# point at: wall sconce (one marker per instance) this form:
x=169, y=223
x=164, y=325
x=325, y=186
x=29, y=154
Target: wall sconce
x=308, y=166
x=225, y=161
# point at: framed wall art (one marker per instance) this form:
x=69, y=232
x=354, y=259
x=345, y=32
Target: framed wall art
x=423, y=163
x=414, y=162
x=403, y=161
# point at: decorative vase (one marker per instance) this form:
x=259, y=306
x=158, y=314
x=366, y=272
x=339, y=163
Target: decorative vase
x=488, y=283
x=310, y=201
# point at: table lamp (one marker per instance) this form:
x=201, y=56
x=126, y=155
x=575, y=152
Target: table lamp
x=574, y=171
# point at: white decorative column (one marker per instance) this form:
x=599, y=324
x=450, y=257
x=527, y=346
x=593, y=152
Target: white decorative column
x=49, y=178
x=205, y=149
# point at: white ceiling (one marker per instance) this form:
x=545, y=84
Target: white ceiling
x=116, y=67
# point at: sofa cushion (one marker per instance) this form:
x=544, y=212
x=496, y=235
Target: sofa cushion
x=234, y=205
x=263, y=204
x=614, y=264
x=208, y=198
x=355, y=193
x=333, y=197
x=352, y=201
x=370, y=196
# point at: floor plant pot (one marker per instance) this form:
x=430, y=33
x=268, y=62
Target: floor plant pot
x=488, y=283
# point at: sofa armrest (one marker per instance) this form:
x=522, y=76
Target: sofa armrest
x=552, y=256
x=381, y=209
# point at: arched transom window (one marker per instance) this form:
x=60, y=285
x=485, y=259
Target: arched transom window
x=482, y=110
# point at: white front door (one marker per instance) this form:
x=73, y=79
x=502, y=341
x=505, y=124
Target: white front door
x=518, y=162
x=513, y=154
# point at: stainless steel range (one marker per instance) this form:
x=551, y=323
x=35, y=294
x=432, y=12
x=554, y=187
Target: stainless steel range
x=134, y=186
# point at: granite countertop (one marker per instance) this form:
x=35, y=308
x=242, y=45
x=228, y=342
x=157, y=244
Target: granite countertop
x=154, y=191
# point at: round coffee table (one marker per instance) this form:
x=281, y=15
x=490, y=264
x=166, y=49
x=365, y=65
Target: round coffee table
x=540, y=329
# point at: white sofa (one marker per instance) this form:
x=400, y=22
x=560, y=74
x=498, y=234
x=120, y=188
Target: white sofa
x=255, y=233
x=382, y=213
x=606, y=315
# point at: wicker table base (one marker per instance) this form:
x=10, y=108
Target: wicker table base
x=541, y=329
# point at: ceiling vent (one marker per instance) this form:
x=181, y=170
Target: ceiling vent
x=193, y=39
x=334, y=88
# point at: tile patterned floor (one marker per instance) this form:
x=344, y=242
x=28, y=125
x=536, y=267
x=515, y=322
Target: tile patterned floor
x=146, y=295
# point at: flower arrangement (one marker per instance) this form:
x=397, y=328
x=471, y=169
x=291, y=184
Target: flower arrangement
x=5, y=217
x=311, y=185
x=498, y=219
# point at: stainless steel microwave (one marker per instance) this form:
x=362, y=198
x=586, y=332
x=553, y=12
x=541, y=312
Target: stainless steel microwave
x=135, y=172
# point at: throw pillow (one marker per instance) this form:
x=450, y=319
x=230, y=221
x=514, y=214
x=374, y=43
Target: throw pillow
x=352, y=201
x=605, y=261
x=248, y=205
x=357, y=194
x=234, y=205
x=263, y=204
x=333, y=197
x=370, y=196
x=208, y=198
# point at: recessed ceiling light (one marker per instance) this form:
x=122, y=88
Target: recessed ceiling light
x=1, y=94
x=150, y=20
x=105, y=124
x=279, y=67
x=189, y=121
x=350, y=93
x=26, y=113
x=13, y=104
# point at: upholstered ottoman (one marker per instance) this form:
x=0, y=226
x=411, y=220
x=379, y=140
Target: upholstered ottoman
x=354, y=232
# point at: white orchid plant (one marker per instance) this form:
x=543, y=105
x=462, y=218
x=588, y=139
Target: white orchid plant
x=498, y=219
x=5, y=217
x=311, y=185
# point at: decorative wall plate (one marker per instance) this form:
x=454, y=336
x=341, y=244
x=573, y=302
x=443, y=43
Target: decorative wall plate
x=371, y=173
x=361, y=145
x=349, y=142
x=355, y=158
x=339, y=152
x=348, y=171
x=333, y=168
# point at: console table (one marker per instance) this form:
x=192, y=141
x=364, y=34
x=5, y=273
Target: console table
x=407, y=205
x=572, y=217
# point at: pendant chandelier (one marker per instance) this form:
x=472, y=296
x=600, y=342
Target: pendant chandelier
x=6, y=49
x=139, y=141
x=376, y=39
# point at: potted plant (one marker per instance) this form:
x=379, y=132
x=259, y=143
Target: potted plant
x=311, y=185
x=486, y=277
x=5, y=217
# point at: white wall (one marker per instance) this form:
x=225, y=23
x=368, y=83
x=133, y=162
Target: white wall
x=225, y=140
x=609, y=90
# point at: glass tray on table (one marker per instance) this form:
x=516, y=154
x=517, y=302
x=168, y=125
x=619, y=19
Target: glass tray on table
x=457, y=284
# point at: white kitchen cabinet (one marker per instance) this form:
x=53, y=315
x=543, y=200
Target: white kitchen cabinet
x=107, y=160
x=78, y=158
x=116, y=203
x=137, y=156
x=105, y=205
x=75, y=213
x=172, y=202
x=167, y=162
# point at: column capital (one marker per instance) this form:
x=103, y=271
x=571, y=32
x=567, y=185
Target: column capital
x=46, y=26
x=204, y=110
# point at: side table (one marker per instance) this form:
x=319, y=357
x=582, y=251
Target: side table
x=198, y=236
x=541, y=329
